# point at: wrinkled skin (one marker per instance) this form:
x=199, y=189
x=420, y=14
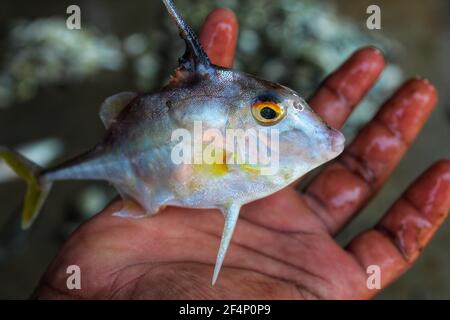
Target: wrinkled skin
x=283, y=247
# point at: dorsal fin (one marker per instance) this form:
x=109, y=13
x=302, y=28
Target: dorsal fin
x=113, y=105
x=195, y=58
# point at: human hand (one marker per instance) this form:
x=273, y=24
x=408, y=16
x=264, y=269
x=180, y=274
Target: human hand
x=283, y=246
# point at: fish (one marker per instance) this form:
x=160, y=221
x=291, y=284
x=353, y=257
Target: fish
x=173, y=147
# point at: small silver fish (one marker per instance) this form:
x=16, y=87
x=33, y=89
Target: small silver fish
x=136, y=156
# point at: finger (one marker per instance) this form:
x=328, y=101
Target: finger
x=344, y=186
x=343, y=90
x=219, y=36
x=396, y=242
x=338, y=95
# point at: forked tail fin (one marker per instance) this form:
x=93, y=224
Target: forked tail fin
x=36, y=191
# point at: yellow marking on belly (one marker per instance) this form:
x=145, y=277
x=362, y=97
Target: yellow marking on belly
x=248, y=168
x=217, y=169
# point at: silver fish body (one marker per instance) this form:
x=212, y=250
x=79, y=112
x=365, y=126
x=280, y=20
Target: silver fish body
x=136, y=154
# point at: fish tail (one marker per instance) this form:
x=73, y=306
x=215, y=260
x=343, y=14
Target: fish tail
x=37, y=191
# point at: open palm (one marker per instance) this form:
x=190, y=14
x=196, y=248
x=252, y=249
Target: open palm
x=283, y=246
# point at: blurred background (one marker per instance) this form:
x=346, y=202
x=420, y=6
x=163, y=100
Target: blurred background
x=53, y=80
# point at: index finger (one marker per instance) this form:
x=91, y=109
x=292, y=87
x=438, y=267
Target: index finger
x=343, y=90
x=219, y=36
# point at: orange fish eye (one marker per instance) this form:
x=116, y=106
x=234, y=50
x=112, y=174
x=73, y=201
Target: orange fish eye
x=267, y=112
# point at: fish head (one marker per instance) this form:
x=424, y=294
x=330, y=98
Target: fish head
x=302, y=140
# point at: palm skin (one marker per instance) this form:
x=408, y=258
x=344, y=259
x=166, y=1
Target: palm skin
x=283, y=246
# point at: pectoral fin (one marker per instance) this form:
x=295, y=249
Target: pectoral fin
x=113, y=105
x=231, y=216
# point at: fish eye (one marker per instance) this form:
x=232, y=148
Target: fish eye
x=267, y=112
